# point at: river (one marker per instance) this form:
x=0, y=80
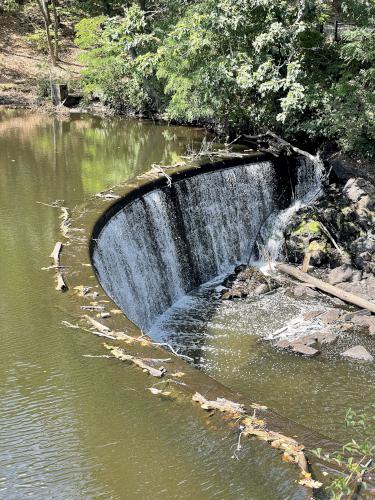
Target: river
x=72, y=426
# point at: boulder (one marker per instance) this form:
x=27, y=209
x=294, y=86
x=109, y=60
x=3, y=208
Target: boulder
x=358, y=352
x=350, y=315
x=283, y=344
x=364, y=320
x=357, y=188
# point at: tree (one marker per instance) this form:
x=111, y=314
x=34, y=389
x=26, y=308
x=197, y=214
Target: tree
x=240, y=65
x=52, y=40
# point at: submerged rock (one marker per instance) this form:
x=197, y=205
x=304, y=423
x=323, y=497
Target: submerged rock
x=298, y=347
x=358, y=352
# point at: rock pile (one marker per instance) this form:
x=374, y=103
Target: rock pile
x=245, y=281
x=339, y=229
x=331, y=323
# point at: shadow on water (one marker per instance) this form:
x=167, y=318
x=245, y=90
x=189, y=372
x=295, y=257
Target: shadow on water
x=226, y=339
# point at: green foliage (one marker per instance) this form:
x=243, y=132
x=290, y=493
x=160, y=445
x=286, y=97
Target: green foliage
x=9, y=5
x=244, y=65
x=119, y=59
x=356, y=456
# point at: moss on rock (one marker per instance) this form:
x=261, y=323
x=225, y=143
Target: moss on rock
x=308, y=227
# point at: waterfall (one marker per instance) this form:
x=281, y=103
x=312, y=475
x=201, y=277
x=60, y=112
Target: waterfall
x=170, y=240
x=307, y=189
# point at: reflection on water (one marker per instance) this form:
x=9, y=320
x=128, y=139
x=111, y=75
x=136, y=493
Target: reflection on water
x=73, y=427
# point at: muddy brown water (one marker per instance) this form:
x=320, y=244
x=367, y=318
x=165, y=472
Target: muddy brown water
x=72, y=426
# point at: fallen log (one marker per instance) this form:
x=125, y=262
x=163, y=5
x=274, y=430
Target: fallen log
x=351, y=298
x=55, y=255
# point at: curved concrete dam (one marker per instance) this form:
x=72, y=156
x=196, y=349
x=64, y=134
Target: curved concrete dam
x=159, y=242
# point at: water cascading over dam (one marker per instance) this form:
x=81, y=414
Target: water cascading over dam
x=164, y=243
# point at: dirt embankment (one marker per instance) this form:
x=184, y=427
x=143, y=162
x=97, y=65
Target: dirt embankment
x=24, y=70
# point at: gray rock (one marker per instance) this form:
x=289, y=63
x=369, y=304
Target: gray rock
x=357, y=276
x=358, y=352
x=309, y=340
x=350, y=315
x=283, y=344
x=304, y=349
x=311, y=315
x=261, y=289
x=371, y=330
x=326, y=337
x=364, y=320
x=331, y=316
x=340, y=274
x=357, y=188
x=301, y=291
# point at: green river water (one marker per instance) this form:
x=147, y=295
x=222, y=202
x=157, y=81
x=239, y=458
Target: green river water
x=75, y=427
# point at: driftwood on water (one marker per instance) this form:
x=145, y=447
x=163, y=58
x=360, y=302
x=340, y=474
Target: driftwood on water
x=351, y=298
x=65, y=222
x=119, y=353
x=251, y=425
x=55, y=255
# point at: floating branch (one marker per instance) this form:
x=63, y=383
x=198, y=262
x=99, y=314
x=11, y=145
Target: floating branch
x=107, y=195
x=99, y=326
x=121, y=354
x=104, y=331
x=55, y=255
x=221, y=404
x=160, y=170
x=176, y=353
x=92, y=308
x=70, y=325
x=65, y=222
x=253, y=426
x=64, y=216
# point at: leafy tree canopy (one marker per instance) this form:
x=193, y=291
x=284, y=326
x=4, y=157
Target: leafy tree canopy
x=239, y=64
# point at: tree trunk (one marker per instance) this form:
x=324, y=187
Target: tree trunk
x=43, y=6
x=351, y=298
x=56, y=24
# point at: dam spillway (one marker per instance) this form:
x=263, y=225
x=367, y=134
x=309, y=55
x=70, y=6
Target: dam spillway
x=165, y=242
